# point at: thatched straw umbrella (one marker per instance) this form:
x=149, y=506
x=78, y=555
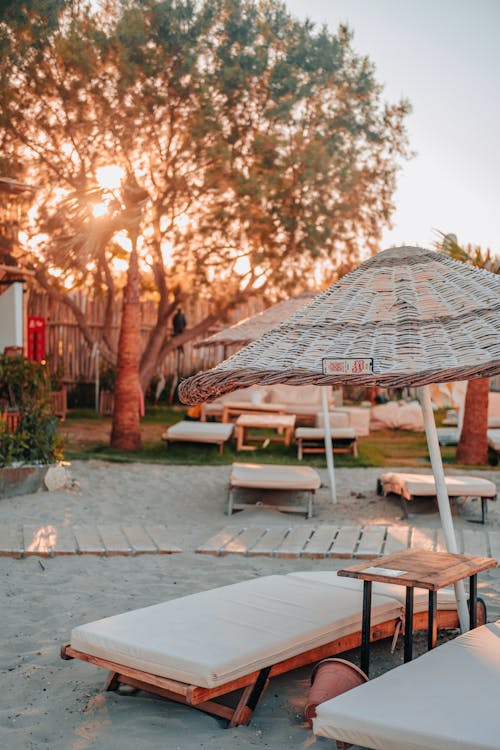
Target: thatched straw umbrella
x=252, y=328
x=407, y=316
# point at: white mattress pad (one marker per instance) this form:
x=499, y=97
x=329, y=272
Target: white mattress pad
x=425, y=484
x=447, y=699
x=215, y=636
x=266, y=476
x=199, y=431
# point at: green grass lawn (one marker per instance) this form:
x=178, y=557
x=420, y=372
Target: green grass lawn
x=86, y=437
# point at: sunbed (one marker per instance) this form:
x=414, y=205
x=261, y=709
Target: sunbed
x=411, y=486
x=446, y=699
x=199, y=432
x=199, y=648
x=494, y=440
x=272, y=477
x=312, y=440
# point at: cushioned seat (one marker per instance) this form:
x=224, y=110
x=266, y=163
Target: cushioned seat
x=272, y=477
x=312, y=440
x=199, y=432
x=446, y=699
x=409, y=486
x=208, y=644
x=494, y=440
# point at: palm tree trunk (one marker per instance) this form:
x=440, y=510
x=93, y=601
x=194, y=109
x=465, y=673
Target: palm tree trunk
x=126, y=430
x=473, y=445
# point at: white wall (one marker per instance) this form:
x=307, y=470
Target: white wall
x=11, y=316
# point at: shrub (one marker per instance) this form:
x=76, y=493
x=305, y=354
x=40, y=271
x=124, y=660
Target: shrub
x=25, y=386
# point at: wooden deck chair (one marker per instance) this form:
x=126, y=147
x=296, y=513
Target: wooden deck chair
x=447, y=698
x=198, y=649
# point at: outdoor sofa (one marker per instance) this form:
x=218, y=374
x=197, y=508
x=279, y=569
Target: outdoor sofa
x=198, y=648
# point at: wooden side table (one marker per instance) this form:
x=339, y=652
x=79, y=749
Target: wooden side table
x=283, y=424
x=416, y=569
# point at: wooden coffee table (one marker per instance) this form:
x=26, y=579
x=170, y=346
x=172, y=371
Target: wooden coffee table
x=416, y=569
x=284, y=425
x=235, y=409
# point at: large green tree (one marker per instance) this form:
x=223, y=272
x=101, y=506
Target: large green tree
x=254, y=152
x=472, y=447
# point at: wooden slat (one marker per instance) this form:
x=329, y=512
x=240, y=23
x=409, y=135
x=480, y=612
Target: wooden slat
x=65, y=541
x=397, y=538
x=162, y=537
x=10, y=541
x=139, y=541
x=494, y=541
x=39, y=540
x=371, y=542
x=475, y=543
x=114, y=540
x=88, y=540
x=269, y=542
x=215, y=544
x=243, y=542
x=320, y=542
x=345, y=542
x=294, y=542
x=423, y=539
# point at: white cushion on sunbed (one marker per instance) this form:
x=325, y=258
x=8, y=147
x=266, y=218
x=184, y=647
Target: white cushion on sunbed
x=425, y=484
x=215, y=636
x=446, y=699
x=446, y=597
x=265, y=476
x=494, y=440
x=199, y=432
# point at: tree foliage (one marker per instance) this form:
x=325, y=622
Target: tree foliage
x=472, y=447
x=256, y=152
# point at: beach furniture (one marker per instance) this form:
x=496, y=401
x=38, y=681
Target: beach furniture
x=494, y=440
x=199, y=648
x=411, y=486
x=282, y=426
x=271, y=477
x=312, y=440
x=447, y=698
x=199, y=432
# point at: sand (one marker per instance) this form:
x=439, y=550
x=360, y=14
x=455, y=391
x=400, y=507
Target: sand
x=52, y=704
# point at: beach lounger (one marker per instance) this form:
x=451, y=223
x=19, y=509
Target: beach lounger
x=411, y=486
x=312, y=440
x=198, y=648
x=272, y=477
x=199, y=432
x=494, y=440
x=447, y=699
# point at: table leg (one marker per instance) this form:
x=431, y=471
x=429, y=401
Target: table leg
x=432, y=622
x=408, y=648
x=472, y=602
x=366, y=626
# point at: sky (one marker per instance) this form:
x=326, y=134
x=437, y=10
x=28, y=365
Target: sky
x=444, y=56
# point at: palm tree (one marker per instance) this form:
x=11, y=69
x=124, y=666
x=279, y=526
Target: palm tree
x=473, y=443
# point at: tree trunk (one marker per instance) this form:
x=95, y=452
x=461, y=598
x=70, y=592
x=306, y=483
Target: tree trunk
x=473, y=445
x=126, y=431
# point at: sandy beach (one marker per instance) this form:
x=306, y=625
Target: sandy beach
x=50, y=704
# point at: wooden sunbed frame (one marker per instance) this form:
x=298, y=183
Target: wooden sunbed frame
x=252, y=685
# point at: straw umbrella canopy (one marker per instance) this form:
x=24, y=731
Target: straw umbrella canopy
x=407, y=316
x=254, y=327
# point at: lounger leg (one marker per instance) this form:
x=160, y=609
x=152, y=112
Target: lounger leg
x=484, y=510
x=404, y=506
x=355, y=449
x=248, y=701
x=310, y=504
x=112, y=683
x=230, y=502
x=299, y=449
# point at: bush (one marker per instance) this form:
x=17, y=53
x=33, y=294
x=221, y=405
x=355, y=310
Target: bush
x=25, y=387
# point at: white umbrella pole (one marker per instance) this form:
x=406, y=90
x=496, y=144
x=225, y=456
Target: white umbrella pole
x=443, y=499
x=328, y=442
